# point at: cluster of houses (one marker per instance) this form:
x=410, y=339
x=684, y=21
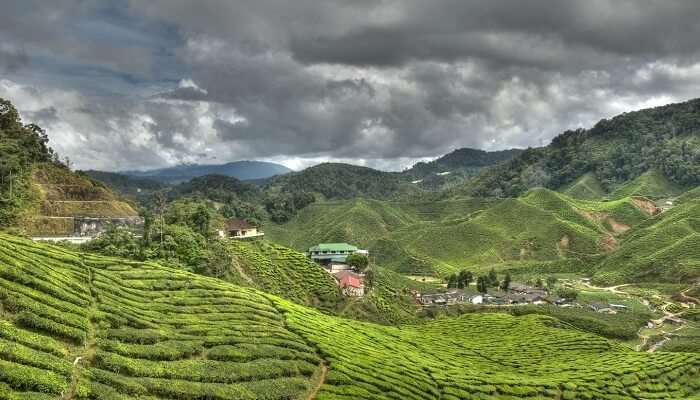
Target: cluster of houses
x=333, y=258
x=516, y=294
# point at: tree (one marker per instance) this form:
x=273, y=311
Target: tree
x=551, y=281
x=539, y=283
x=201, y=219
x=452, y=281
x=493, y=278
x=568, y=294
x=161, y=204
x=482, y=284
x=464, y=279
x=506, y=283
x=358, y=262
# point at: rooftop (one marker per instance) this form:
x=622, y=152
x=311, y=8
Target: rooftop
x=235, y=224
x=333, y=247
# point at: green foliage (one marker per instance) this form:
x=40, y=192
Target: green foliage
x=662, y=249
x=153, y=328
x=587, y=187
x=615, y=151
x=344, y=181
x=283, y=206
x=486, y=356
x=652, y=184
x=440, y=238
x=117, y=241
x=21, y=147
x=282, y=271
x=358, y=262
x=160, y=332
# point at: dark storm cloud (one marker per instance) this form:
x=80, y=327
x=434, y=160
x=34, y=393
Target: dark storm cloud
x=378, y=82
x=12, y=59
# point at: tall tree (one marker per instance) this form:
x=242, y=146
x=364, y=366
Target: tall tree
x=482, y=284
x=505, y=285
x=493, y=278
x=464, y=279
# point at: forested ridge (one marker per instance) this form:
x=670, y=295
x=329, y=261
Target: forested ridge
x=615, y=150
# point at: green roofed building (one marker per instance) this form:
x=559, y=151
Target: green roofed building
x=333, y=255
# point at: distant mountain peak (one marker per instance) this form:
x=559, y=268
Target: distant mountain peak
x=243, y=170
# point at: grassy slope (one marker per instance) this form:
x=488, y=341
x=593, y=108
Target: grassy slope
x=282, y=271
x=446, y=236
x=147, y=331
x=61, y=195
x=664, y=248
x=652, y=184
x=586, y=187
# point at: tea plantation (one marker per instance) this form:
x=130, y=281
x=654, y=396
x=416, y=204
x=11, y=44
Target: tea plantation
x=284, y=272
x=77, y=326
x=443, y=237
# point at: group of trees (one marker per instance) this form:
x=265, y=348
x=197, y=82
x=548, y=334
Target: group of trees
x=662, y=138
x=21, y=147
x=464, y=278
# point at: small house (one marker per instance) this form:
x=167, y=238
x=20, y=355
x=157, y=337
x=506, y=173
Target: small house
x=332, y=256
x=350, y=283
x=477, y=299
x=237, y=228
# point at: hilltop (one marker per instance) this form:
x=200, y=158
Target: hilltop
x=665, y=248
x=615, y=151
x=105, y=328
x=128, y=186
x=455, y=167
x=39, y=194
x=243, y=170
x=343, y=181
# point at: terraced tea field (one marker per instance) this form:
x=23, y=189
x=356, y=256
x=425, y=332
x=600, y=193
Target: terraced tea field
x=75, y=326
x=282, y=271
x=78, y=326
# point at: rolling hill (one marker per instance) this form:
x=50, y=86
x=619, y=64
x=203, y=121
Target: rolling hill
x=615, y=151
x=243, y=170
x=78, y=326
x=445, y=236
x=665, y=248
x=335, y=181
x=129, y=186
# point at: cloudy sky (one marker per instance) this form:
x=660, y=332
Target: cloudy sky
x=139, y=84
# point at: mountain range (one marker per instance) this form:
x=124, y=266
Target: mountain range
x=243, y=170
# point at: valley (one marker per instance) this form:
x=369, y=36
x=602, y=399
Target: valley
x=581, y=286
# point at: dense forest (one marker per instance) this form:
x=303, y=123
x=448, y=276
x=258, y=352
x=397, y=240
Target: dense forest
x=464, y=159
x=615, y=150
x=21, y=147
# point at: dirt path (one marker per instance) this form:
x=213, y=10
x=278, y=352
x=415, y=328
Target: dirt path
x=657, y=323
x=319, y=383
x=690, y=299
x=242, y=273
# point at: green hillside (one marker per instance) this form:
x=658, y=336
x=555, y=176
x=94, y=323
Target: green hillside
x=344, y=181
x=664, y=248
x=61, y=195
x=615, y=151
x=652, y=184
x=78, y=326
x=281, y=271
x=445, y=236
x=586, y=187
